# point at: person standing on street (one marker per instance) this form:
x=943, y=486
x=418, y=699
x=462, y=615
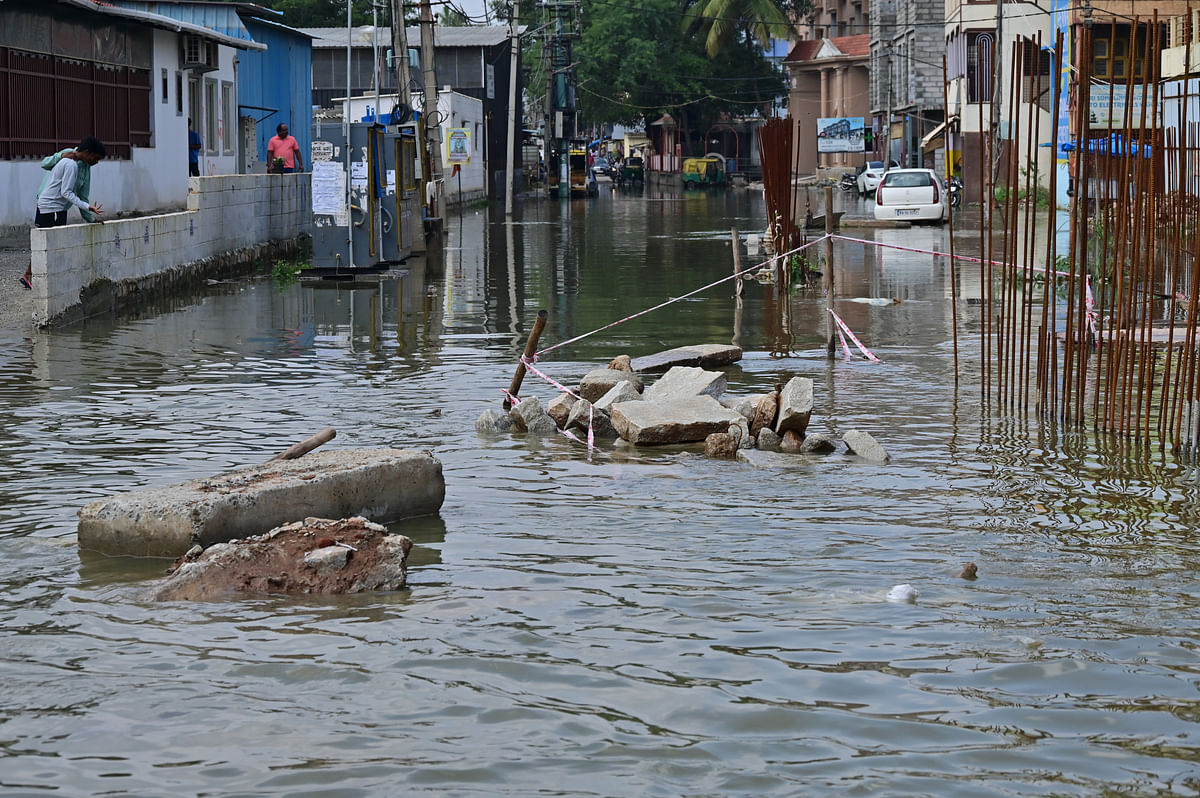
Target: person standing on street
x=69, y=183
x=284, y=147
x=194, y=147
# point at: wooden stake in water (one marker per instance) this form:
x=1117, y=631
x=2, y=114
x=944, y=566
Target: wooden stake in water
x=530, y=348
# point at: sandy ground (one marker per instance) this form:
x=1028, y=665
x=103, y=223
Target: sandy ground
x=16, y=303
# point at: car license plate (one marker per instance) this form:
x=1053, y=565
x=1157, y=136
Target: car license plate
x=906, y=211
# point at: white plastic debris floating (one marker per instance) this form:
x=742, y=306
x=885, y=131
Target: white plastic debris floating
x=903, y=594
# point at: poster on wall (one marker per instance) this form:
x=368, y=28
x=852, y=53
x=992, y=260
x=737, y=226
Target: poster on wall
x=1107, y=107
x=458, y=145
x=840, y=134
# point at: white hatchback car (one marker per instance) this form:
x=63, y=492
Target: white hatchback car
x=911, y=195
x=869, y=177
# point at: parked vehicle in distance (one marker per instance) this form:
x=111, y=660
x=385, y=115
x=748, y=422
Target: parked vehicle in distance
x=633, y=170
x=706, y=171
x=848, y=182
x=869, y=177
x=954, y=188
x=602, y=168
x=912, y=195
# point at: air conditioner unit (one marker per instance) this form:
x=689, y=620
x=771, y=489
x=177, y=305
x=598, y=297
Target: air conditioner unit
x=197, y=53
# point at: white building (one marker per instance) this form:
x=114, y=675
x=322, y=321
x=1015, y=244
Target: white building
x=137, y=76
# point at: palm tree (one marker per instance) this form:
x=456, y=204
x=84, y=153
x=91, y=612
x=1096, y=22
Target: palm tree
x=721, y=21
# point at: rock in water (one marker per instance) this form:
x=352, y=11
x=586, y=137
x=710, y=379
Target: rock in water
x=493, y=422
x=703, y=355
x=682, y=382
x=969, y=571
x=314, y=556
x=724, y=445
x=676, y=421
x=621, y=363
x=816, y=443
x=865, y=446
x=559, y=409
x=792, y=443
x=767, y=440
x=764, y=414
x=795, y=406
x=598, y=382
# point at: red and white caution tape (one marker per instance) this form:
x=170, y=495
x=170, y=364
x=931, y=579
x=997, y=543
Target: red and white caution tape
x=591, y=437
x=845, y=346
x=853, y=337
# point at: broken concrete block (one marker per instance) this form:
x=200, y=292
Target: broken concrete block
x=674, y=421
x=791, y=442
x=598, y=382
x=314, y=556
x=818, y=443
x=682, y=382
x=559, y=409
x=768, y=441
x=743, y=404
x=493, y=422
x=523, y=414
x=621, y=392
x=387, y=484
x=865, y=446
x=703, y=355
x=795, y=406
x=601, y=421
x=764, y=414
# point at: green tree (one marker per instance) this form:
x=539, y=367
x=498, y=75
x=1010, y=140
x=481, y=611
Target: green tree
x=721, y=22
x=636, y=63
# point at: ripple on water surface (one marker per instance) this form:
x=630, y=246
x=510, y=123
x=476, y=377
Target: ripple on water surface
x=634, y=622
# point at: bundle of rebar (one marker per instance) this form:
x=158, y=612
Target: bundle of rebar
x=1109, y=337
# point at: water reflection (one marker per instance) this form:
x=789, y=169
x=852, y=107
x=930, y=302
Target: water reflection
x=640, y=622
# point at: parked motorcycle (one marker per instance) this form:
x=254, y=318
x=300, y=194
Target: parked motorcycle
x=954, y=188
x=849, y=182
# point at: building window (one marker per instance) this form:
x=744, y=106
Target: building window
x=164, y=86
x=228, y=119
x=178, y=93
x=210, y=117
x=980, y=48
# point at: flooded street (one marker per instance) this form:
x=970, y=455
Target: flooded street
x=637, y=622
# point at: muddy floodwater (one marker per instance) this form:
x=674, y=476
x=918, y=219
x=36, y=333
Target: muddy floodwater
x=637, y=622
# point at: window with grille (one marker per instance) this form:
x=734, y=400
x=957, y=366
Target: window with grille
x=228, y=119
x=210, y=117
x=980, y=51
x=74, y=98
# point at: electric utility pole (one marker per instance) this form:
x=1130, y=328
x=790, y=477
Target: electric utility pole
x=400, y=55
x=514, y=35
x=433, y=132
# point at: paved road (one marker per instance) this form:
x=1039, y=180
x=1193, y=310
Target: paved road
x=16, y=303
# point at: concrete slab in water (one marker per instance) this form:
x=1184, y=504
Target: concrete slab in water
x=381, y=484
x=703, y=355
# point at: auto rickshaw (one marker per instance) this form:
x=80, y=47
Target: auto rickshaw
x=706, y=171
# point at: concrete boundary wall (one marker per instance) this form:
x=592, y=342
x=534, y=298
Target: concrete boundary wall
x=85, y=269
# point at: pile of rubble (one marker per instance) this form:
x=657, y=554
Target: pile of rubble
x=314, y=556
x=687, y=404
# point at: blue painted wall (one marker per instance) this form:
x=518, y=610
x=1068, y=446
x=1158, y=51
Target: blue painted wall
x=279, y=77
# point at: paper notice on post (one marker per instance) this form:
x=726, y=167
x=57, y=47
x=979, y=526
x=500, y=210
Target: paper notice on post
x=329, y=188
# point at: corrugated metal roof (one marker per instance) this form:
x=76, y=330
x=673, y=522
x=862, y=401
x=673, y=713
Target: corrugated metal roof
x=221, y=17
x=161, y=21
x=361, y=36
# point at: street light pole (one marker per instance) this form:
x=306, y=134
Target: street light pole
x=513, y=28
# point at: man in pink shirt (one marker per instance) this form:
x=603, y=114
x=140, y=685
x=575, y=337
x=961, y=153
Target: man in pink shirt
x=285, y=148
